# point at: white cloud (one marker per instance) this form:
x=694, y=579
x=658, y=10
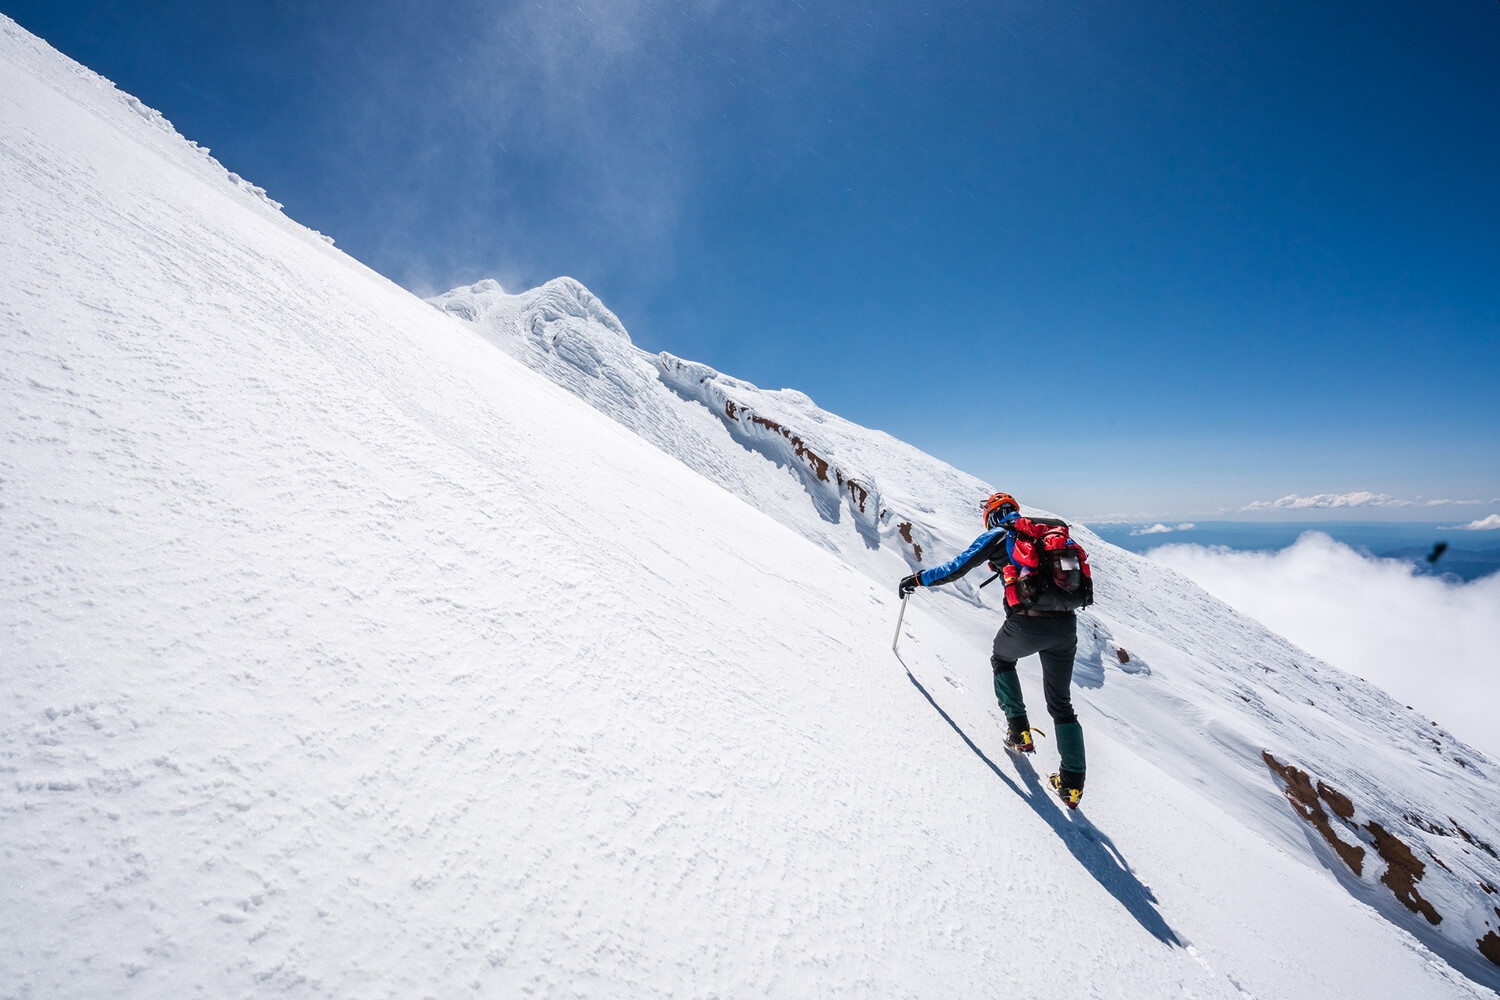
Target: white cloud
x=1330, y=501
x=1326, y=501
x=1155, y=529
x=1430, y=643
x=1483, y=524
x=1162, y=529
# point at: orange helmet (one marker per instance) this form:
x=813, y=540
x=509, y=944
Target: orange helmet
x=997, y=507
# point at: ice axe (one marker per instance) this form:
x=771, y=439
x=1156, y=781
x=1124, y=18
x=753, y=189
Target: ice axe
x=897, y=640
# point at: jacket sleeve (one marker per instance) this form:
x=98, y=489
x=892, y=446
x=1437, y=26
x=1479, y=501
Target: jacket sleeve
x=990, y=545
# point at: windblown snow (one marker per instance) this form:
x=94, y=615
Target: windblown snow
x=357, y=647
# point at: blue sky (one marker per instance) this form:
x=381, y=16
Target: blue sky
x=1156, y=259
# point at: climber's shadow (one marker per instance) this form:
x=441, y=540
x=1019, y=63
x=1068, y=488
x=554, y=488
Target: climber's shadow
x=1095, y=851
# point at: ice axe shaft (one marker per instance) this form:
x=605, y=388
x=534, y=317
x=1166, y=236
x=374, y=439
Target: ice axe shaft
x=896, y=641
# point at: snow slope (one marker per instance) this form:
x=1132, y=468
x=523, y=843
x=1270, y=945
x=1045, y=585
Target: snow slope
x=343, y=655
x=1214, y=698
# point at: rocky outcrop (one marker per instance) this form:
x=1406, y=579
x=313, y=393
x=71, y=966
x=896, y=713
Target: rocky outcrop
x=1304, y=799
x=1457, y=891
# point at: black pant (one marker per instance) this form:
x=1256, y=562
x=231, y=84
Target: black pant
x=1056, y=640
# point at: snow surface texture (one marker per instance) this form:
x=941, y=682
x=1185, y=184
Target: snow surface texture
x=342, y=655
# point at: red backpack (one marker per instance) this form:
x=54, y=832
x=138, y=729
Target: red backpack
x=1048, y=570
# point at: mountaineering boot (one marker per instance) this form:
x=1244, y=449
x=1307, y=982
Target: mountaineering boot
x=1018, y=736
x=1069, y=777
x=1066, y=790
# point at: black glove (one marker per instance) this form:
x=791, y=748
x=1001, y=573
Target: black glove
x=907, y=585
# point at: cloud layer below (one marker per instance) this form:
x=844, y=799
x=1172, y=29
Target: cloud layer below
x=1432, y=644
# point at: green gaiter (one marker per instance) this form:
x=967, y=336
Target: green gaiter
x=1070, y=746
x=1008, y=692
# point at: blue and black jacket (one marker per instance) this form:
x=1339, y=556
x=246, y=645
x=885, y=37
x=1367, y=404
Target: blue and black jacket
x=995, y=545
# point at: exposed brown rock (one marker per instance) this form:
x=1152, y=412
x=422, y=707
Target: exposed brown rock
x=817, y=462
x=1304, y=799
x=1489, y=947
x=1403, y=869
x=769, y=425
x=905, y=528
x=1402, y=873
x=1342, y=807
x=1123, y=656
x=857, y=492
x=1487, y=887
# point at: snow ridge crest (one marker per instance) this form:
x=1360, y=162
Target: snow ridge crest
x=685, y=408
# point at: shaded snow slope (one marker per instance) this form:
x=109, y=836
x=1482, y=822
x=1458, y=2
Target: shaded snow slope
x=342, y=655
